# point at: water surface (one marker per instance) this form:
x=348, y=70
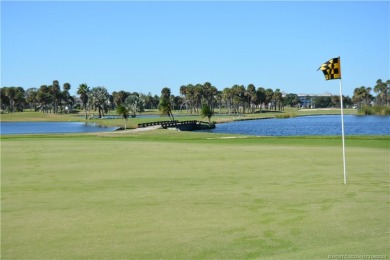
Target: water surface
x=308, y=125
x=8, y=128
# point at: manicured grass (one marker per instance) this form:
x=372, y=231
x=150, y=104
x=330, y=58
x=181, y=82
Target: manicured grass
x=177, y=195
x=30, y=116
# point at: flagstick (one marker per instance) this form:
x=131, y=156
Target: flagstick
x=342, y=131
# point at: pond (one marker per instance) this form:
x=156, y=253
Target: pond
x=8, y=128
x=297, y=126
x=308, y=125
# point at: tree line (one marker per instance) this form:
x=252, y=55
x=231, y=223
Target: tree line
x=47, y=97
x=362, y=96
x=193, y=97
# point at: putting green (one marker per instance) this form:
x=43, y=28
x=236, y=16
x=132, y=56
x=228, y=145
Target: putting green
x=162, y=194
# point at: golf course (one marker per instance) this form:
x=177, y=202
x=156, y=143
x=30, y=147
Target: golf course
x=164, y=194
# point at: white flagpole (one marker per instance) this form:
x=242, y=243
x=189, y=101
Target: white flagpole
x=342, y=131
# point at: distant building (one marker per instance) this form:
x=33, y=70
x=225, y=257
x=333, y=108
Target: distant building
x=307, y=99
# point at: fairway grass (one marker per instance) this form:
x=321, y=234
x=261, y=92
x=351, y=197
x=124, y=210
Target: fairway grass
x=178, y=195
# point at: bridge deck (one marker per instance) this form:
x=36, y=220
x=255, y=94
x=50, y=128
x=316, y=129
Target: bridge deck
x=193, y=124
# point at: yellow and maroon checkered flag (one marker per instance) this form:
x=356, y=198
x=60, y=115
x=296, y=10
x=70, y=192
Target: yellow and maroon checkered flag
x=331, y=69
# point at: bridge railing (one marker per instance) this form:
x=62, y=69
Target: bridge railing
x=154, y=123
x=175, y=123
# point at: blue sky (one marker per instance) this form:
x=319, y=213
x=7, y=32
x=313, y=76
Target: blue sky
x=145, y=46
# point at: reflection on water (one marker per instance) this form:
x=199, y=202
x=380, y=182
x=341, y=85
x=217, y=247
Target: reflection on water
x=8, y=128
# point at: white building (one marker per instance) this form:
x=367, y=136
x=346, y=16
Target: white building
x=307, y=99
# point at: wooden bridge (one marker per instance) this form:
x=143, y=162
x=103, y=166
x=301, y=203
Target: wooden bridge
x=188, y=125
x=154, y=123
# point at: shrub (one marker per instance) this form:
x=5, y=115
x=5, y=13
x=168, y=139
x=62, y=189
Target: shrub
x=374, y=110
x=289, y=115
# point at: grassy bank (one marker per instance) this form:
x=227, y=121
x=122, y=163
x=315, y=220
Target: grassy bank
x=168, y=194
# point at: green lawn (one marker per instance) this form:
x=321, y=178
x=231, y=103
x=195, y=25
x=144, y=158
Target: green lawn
x=177, y=195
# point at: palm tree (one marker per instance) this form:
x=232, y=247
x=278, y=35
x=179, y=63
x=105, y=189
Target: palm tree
x=4, y=99
x=148, y=100
x=20, y=101
x=382, y=89
x=197, y=97
x=31, y=97
x=66, y=97
x=208, y=93
x=10, y=92
x=251, y=95
x=219, y=99
x=120, y=97
x=362, y=95
x=238, y=92
x=13, y=98
x=206, y=111
x=83, y=92
x=269, y=93
x=164, y=105
x=98, y=98
x=55, y=91
x=190, y=97
x=227, y=95
x=133, y=103
x=278, y=99
x=66, y=86
x=124, y=112
x=44, y=98
x=165, y=93
x=260, y=97
x=291, y=100
x=183, y=92
x=165, y=108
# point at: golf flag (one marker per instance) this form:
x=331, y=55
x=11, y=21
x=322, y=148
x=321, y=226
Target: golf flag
x=331, y=69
